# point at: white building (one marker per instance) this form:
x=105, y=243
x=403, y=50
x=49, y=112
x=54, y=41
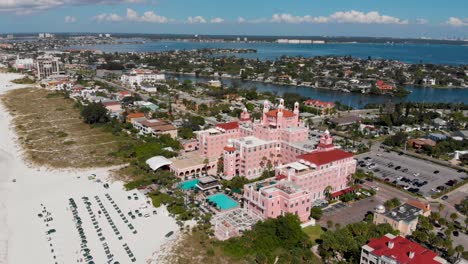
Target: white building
x=47, y=65
x=24, y=64
x=138, y=76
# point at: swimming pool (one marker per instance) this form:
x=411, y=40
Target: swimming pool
x=190, y=184
x=223, y=201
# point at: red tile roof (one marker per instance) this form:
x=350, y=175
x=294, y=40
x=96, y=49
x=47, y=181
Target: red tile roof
x=345, y=191
x=324, y=157
x=274, y=113
x=229, y=126
x=110, y=103
x=420, y=205
x=135, y=115
x=401, y=249
x=229, y=148
x=281, y=177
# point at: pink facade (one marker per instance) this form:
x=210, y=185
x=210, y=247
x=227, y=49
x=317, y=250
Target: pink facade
x=324, y=167
x=211, y=142
x=267, y=143
x=275, y=197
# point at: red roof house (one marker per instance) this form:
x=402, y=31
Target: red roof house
x=400, y=250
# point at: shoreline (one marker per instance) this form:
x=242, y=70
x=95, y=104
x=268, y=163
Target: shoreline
x=34, y=186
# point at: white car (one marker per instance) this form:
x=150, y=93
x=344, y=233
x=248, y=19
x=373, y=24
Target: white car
x=399, y=177
x=375, y=188
x=435, y=190
x=416, y=174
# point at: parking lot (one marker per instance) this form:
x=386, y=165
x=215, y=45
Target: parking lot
x=356, y=212
x=412, y=174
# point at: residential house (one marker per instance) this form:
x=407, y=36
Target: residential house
x=391, y=249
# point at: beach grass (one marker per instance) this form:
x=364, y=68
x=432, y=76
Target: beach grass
x=52, y=134
x=198, y=247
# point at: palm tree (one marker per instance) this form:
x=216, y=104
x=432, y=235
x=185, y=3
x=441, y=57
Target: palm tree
x=459, y=249
x=205, y=164
x=453, y=216
x=327, y=192
x=441, y=207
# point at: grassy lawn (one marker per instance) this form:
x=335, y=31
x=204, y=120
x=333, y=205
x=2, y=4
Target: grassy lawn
x=313, y=232
x=52, y=133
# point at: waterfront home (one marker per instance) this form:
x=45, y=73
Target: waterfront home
x=384, y=87
x=319, y=104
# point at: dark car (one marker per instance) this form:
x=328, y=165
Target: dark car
x=436, y=172
x=455, y=233
x=445, y=197
x=401, y=153
x=387, y=179
x=170, y=234
x=397, y=167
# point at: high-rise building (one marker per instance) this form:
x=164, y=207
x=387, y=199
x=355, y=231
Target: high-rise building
x=47, y=65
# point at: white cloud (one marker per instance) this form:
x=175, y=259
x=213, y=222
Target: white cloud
x=422, y=21
x=352, y=16
x=217, y=20
x=197, y=19
x=107, y=18
x=23, y=7
x=70, y=19
x=241, y=20
x=372, y=17
x=457, y=22
x=148, y=16
x=132, y=16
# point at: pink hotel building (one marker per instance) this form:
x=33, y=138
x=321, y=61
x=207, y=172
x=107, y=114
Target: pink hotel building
x=279, y=140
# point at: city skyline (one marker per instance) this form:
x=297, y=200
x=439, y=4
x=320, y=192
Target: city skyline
x=418, y=18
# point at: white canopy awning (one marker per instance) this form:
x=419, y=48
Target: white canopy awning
x=157, y=162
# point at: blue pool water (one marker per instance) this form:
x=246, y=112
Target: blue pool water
x=223, y=201
x=187, y=185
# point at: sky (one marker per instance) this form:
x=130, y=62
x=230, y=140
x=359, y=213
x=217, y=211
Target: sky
x=381, y=18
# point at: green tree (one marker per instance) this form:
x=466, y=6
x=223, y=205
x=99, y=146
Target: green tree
x=316, y=213
x=94, y=113
x=453, y=216
x=392, y=203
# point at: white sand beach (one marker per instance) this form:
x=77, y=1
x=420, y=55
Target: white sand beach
x=27, y=191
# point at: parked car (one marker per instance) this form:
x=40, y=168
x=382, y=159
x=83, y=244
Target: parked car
x=397, y=167
x=445, y=197
x=416, y=174
x=436, y=172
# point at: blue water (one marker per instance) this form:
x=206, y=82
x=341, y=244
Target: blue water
x=223, y=201
x=410, y=53
x=354, y=100
x=190, y=184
